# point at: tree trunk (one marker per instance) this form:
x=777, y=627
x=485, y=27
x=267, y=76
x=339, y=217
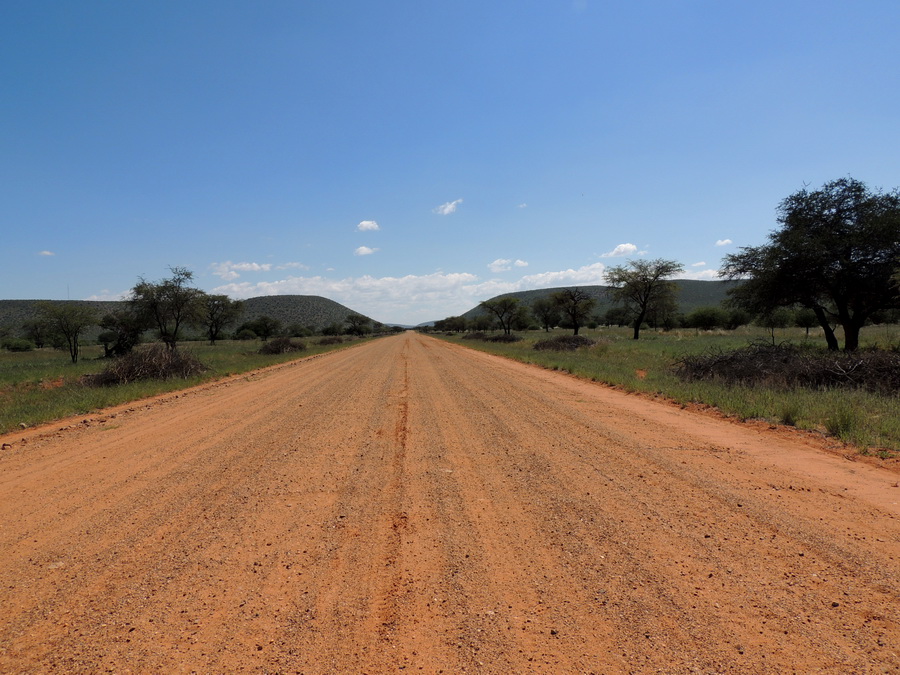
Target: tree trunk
x=826, y=328
x=637, y=325
x=851, y=335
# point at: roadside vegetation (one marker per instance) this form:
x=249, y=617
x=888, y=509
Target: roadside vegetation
x=853, y=414
x=771, y=350
x=167, y=336
x=41, y=385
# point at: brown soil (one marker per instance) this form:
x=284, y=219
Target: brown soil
x=410, y=505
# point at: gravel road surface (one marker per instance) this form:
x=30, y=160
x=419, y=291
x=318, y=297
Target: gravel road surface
x=408, y=505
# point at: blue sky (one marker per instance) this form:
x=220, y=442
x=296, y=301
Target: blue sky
x=410, y=159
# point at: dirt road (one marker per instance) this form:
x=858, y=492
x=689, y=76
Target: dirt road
x=413, y=506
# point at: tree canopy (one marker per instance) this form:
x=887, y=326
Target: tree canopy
x=835, y=253
x=576, y=306
x=68, y=320
x=169, y=304
x=504, y=309
x=357, y=324
x=546, y=311
x=644, y=287
x=218, y=312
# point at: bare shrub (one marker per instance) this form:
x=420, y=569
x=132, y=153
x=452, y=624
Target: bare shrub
x=282, y=345
x=155, y=362
x=331, y=340
x=503, y=337
x=786, y=366
x=563, y=343
x=477, y=335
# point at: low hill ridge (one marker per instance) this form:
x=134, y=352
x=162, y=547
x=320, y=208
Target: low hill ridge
x=692, y=294
x=305, y=310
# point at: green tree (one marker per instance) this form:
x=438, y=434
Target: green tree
x=68, y=320
x=505, y=310
x=618, y=316
x=805, y=318
x=643, y=286
x=452, y=324
x=38, y=331
x=778, y=317
x=546, y=311
x=264, y=327
x=575, y=305
x=123, y=330
x=835, y=253
x=707, y=318
x=483, y=322
x=219, y=311
x=170, y=304
x=358, y=325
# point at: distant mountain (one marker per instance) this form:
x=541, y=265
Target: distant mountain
x=691, y=295
x=306, y=310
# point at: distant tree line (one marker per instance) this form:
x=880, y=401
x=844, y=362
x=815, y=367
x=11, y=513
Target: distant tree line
x=165, y=310
x=833, y=262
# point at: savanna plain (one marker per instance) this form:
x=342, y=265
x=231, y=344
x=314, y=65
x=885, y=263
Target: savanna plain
x=413, y=505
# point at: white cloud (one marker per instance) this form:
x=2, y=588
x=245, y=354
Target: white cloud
x=106, y=296
x=505, y=264
x=367, y=226
x=621, y=250
x=229, y=270
x=522, y=206
x=46, y=253
x=698, y=264
x=588, y=275
x=699, y=275
x=500, y=265
x=724, y=242
x=447, y=208
x=413, y=298
x=292, y=266
x=364, y=250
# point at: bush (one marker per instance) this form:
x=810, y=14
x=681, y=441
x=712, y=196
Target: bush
x=503, y=337
x=282, y=345
x=245, y=334
x=787, y=366
x=331, y=340
x=17, y=344
x=563, y=343
x=477, y=335
x=156, y=362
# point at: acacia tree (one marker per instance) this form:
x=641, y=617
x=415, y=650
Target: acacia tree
x=37, y=330
x=264, y=326
x=123, y=330
x=546, y=311
x=170, y=304
x=358, y=325
x=575, y=304
x=218, y=312
x=68, y=320
x=506, y=310
x=643, y=286
x=835, y=253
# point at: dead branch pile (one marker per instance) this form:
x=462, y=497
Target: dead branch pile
x=787, y=365
x=563, y=343
x=154, y=362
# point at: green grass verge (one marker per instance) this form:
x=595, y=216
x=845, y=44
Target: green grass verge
x=43, y=385
x=866, y=420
